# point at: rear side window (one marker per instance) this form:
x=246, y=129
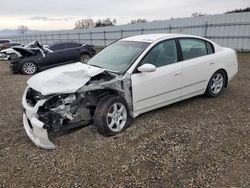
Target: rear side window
x=210, y=48
x=192, y=48
x=71, y=45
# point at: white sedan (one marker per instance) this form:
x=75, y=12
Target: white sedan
x=130, y=77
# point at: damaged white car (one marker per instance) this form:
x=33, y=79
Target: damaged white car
x=128, y=78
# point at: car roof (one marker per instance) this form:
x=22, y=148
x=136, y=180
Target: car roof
x=5, y=40
x=66, y=42
x=150, y=38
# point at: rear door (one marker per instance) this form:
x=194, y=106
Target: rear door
x=71, y=51
x=197, y=65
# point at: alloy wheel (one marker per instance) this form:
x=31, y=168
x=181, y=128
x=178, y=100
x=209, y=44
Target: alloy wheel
x=84, y=58
x=117, y=117
x=217, y=83
x=29, y=68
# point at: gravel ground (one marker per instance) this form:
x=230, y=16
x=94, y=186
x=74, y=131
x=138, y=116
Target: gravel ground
x=200, y=142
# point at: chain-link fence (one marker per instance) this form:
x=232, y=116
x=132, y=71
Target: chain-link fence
x=230, y=30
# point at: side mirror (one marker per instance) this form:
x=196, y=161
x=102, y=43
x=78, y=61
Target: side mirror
x=147, y=68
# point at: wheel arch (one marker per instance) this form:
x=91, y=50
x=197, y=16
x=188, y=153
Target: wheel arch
x=225, y=72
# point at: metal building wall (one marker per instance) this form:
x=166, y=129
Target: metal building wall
x=229, y=30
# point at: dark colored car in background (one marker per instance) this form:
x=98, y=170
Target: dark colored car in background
x=4, y=43
x=39, y=58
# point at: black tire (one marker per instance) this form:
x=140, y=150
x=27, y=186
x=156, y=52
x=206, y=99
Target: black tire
x=101, y=119
x=84, y=58
x=211, y=90
x=29, y=68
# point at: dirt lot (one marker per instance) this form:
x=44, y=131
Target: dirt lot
x=200, y=142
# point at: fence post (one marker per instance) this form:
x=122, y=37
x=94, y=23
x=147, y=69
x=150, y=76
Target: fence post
x=90, y=36
x=142, y=31
x=205, y=30
x=23, y=40
x=121, y=33
x=104, y=34
x=79, y=39
x=52, y=36
x=46, y=38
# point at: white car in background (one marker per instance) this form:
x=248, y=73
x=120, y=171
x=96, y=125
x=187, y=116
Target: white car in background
x=9, y=53
x=130, y=77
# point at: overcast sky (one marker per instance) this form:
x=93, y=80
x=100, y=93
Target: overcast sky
x=62, y=14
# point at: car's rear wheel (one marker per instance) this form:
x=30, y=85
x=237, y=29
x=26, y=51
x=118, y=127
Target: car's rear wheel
x=29, y=68
x=216, y=84
x=84, y=58
x=112, y=116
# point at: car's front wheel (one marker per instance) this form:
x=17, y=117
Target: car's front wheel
x=216, y=84
x=84, y=58
x=112, y=116
x=13, y=56
x=29, y=68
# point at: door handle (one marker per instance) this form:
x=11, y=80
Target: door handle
x=177, y=73
x=211, y=63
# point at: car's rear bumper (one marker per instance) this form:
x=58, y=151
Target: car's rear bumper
x=33, y=126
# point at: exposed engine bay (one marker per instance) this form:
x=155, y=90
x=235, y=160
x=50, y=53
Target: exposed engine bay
x=69, y=110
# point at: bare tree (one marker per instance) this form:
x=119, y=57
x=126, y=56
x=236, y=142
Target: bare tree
x=105, y=22
x=84, y=24
x=22, y=29
x=196, y=14
x=139, y=20
x=239, y=10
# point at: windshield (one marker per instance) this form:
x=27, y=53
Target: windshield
x=118, y=57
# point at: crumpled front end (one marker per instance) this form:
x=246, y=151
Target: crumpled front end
x=33, y=126
x=64, y=100
x=50, y=114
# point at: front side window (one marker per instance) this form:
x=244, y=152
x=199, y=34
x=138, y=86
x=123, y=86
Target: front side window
x=164, y=53
x=56, y=47
x=192, y=48
x=118, y=57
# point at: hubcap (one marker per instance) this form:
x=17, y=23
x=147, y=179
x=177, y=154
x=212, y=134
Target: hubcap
x=217, y=83
x=29, y=68
x=85, y=58
x=116, y=117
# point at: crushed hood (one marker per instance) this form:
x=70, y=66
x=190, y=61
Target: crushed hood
x=23, y=50
x=63, y=79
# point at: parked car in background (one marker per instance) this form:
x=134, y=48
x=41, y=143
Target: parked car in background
x=39, y=58
x=4, y=43
x=130, y=77
x=10, y=53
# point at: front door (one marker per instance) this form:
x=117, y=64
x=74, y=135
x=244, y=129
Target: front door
x=155, y=89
